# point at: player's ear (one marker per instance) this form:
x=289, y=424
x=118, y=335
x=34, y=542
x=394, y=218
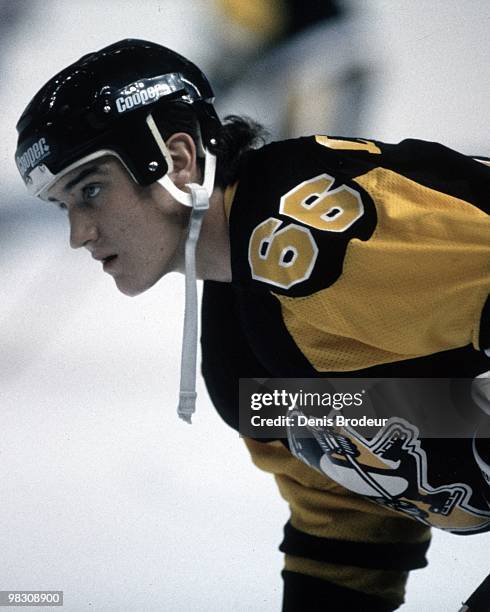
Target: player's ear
x=182, y=149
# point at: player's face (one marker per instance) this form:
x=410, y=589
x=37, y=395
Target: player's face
x=137, y=233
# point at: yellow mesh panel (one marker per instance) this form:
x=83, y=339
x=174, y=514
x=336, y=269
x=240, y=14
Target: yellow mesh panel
x=416, y=287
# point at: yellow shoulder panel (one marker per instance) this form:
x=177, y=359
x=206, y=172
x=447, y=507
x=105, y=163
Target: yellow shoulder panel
x=416, y=287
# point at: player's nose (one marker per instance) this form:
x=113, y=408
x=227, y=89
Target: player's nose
x=82, y=230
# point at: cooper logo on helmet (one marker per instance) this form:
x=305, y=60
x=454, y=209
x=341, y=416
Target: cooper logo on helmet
x=32, y=155
x=146, y=91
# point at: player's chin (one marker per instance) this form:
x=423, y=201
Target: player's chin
x=129, y=288
x=133, y=287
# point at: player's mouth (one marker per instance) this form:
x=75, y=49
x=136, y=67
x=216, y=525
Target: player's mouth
x=108, y=262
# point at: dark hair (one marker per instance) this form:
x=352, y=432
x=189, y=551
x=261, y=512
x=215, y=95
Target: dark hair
x=237, y=135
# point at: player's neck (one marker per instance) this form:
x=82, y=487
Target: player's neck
x=213, y=248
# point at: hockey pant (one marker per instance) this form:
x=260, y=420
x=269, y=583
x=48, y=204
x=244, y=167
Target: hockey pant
x=341, y=551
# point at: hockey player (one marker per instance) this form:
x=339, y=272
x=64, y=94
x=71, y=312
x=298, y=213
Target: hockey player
x=321, y=256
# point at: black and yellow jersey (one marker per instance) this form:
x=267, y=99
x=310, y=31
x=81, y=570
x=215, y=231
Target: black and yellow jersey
x=358, y=258
x=375, y=253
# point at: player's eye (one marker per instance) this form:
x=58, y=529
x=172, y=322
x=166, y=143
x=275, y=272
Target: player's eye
x=62, y=205
x=91, y=191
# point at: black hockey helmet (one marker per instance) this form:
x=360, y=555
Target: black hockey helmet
x=106, y=103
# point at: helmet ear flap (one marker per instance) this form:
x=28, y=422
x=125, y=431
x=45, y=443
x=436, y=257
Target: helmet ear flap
x=209, y=125
x=152, y=160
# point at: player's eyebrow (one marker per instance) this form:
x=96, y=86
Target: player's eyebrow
x=82, y=175
x=96, y=169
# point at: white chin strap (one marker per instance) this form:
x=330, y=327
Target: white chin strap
x=198, y=200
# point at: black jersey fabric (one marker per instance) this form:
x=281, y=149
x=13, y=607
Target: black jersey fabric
x=412, y=217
